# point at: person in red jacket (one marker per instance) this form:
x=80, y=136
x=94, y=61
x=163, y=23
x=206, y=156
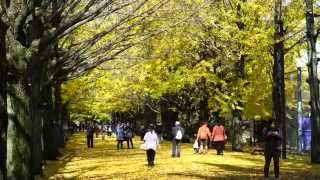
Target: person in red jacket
x=218, y=136
x=203, y=136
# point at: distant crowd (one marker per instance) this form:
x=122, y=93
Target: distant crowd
x=124, y=132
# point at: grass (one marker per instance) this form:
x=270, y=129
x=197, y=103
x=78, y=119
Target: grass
x=105, y=162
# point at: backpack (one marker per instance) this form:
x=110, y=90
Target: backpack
x=179, y=135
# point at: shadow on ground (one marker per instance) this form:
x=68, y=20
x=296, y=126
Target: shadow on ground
x=105, y=162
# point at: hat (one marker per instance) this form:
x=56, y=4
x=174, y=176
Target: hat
x=177, y=123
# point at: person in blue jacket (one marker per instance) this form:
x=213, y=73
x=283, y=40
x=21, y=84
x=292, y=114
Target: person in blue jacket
x=120, y=136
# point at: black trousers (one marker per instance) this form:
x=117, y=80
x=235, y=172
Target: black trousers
x=269, y=155
x=129, y=142
x=219, y=147
x=90, y=141
x=120, y=144
x=150, y=156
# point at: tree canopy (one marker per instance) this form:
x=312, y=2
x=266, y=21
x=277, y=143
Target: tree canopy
x=201, y=56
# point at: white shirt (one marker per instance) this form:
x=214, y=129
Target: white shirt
x=151, y=140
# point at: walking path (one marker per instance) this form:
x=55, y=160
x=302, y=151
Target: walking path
x=105, y=162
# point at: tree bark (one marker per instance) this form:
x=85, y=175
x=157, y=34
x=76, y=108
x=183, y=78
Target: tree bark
x=168, y=118
x=237, y=144
x=59, y=115
x=3, y=99
x=50, y=126
x=203, y=104
x=278, y=86
x=313, y=82
x=36, y=114
x=204, y=109
x=19, y=131
x=150, y=117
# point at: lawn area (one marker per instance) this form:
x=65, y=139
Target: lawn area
x=105, y=162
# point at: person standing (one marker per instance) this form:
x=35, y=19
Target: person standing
x=90, y=132
x=272, y=148
x=152, y=142
x=120, y=136
x=177, y=133
x=129, y=135
x=218, y=137
x=203, y=136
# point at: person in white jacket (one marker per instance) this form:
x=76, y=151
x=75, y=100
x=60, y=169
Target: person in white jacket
x=152, y=143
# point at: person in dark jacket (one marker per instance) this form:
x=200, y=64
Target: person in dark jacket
x=90, y=132
x=177, y=133
x=272, y=148
x=128, y=133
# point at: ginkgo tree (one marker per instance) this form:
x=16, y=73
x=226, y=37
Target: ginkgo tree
x=44, y=48
x=209, y=48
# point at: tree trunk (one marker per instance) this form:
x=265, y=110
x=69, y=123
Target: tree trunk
x=237, y=144
x=168, y=118
x=204, y=109
x=3, y=100
x=19, y=131
x=278, y=88
x=59, y=115
x=36, y=114
x=150, y=117
x=49, y=129
x=66, y=120
x=313, y=83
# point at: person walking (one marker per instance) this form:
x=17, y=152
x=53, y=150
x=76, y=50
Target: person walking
x=120, y=136
x=152, y=143
x=272, y=148
x=90, y=132
x=203, y=135
x=177, y=133
x=219, y=137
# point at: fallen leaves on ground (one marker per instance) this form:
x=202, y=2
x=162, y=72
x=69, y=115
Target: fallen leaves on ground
x=105, y=162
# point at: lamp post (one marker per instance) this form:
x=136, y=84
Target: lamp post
x=300, y=114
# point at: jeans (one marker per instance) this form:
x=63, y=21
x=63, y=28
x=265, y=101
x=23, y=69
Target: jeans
x=150, y=156
x=275, y=155
x=90, y=141
x=176, y=148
